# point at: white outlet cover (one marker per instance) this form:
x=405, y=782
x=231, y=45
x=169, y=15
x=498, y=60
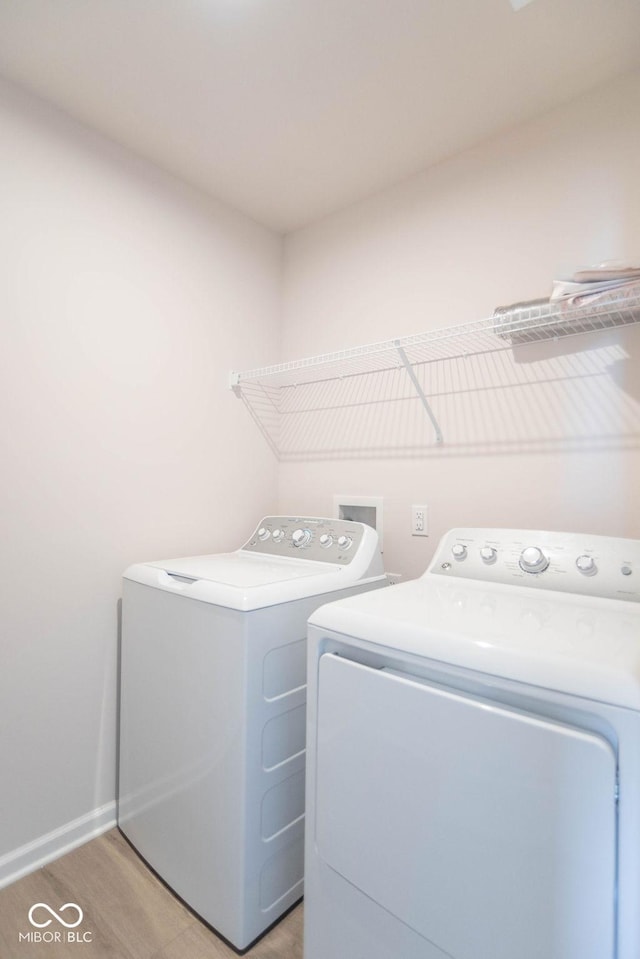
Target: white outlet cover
x=415, y=510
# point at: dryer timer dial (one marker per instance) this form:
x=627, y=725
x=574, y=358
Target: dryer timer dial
x=533, y=560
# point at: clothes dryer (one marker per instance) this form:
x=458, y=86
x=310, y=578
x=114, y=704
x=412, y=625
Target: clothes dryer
x=474, y=756
x=212, y=713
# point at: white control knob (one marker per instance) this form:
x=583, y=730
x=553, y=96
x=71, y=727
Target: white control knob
x=459, y=551
x=278, y=535
x=326, y=540
x=488, y=554
x=264, y=533
x=344, y=542
x=587, y=565
x=301, y=537
x=533, y=560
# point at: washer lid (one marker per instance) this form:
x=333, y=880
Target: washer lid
x=241, y=569
x=586, y=646
x=244, y=580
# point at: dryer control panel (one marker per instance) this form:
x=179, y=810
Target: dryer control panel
x=311, y=538
x=567, y=562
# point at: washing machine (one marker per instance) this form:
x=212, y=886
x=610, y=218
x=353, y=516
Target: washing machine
x=473, y=772
x=212, y=713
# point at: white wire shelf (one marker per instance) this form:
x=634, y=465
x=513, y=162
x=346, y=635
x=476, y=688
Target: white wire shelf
x=279, y=397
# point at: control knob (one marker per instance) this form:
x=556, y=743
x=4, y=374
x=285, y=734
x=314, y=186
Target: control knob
x=533, y=560
x=344, y=542
x=278, y=535
x=301, y=537
x=264, y=533
x=587, y=565
x=488, y=554
x=459, y=551
x=326, y=540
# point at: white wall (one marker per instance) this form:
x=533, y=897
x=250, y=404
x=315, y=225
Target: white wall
x=553, y=443
x=126, y=298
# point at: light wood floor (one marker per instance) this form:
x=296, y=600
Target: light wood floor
x=128, y=911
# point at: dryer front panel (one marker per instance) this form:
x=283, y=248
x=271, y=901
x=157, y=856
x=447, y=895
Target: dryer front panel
x=488, y=830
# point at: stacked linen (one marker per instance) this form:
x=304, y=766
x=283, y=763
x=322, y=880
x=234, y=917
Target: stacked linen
x=593, y=298
x=604, y=282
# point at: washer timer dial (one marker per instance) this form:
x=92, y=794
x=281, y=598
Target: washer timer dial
x=301, y=537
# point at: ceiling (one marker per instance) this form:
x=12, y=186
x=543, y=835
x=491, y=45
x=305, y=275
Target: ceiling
x=291, y=109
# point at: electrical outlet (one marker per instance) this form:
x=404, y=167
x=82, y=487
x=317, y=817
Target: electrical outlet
x=419, y=521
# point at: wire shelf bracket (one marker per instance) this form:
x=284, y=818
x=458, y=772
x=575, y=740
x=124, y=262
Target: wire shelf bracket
x=414, y=379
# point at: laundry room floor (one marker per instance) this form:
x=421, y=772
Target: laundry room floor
x=127, y=913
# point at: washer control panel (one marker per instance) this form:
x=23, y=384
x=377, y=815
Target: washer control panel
x=322, y=540
x=567, y=562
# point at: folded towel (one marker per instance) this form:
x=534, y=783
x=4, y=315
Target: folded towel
x=587, y=284
x=575, y=292
x=610, y=270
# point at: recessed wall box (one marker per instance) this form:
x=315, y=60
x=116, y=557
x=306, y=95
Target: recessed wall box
x=360, y=509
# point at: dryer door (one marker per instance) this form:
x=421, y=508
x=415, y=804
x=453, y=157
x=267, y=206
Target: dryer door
x=490, y=831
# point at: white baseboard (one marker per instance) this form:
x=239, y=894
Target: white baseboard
x=25, y=859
